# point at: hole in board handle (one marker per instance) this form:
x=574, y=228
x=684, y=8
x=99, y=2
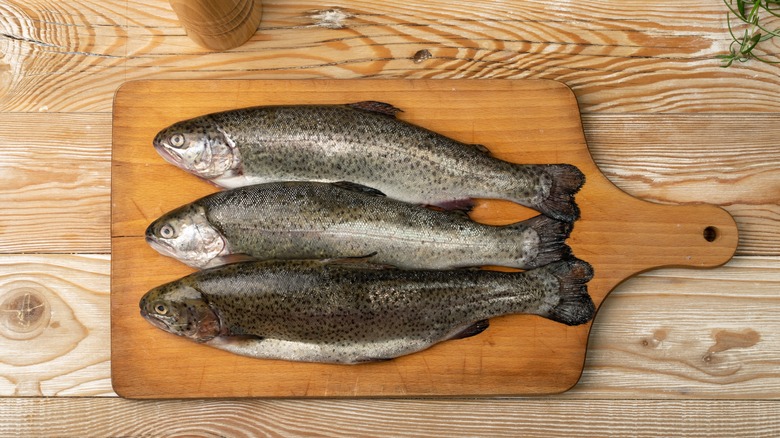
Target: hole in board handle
x=711, y=233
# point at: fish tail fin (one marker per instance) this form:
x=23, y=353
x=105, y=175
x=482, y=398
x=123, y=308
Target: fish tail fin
x=574, y=306
x=552, y=235
x=567, y=180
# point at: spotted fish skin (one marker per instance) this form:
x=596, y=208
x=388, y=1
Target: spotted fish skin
x=346, y=312
x=306, y=220
x=362, y=143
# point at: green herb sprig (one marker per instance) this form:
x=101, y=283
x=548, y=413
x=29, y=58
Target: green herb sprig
x=753, y=13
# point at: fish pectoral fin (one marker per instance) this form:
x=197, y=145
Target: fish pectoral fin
x=355, y=187
x=376, y=107
x=243, y=338
x=231, y=258
x=473, y=330
x=371, y=359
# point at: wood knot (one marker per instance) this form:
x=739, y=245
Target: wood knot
x=728, y=339
x=330, y=18
x=655, y=341
x=421, y=56
x=24, y=313
x=36, y=324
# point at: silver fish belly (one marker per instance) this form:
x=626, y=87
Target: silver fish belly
x=362, y=143
x=336, y=312
x=305, y=220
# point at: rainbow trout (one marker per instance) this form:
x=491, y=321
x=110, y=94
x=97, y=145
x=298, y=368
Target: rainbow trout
x=307, y=220
x=366, y=144
x=341, y=312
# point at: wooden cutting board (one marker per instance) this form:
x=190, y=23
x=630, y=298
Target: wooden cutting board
x=526, y=121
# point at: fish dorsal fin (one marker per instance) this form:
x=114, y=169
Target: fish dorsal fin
x=355, y=187
x=376, y=107
x=473, y=330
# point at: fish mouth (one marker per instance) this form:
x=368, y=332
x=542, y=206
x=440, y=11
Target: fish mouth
x=153, y=320
x=160, y=246
x=168, y=250
x=168, y=154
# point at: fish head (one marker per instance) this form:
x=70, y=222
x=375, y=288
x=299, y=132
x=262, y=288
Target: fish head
x=181, y=309
x=198, y=146
x=187, y=235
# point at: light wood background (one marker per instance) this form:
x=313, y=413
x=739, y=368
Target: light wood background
x=672, y=352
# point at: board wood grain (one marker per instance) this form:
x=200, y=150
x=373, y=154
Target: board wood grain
x=377, y=418
x=686, y=158
x=54, y=333
x=520, y=121
x=703, y=333
x=55, y=172
x=646, y=80
x=62, y=174
x=618, y=56
x=667, y=333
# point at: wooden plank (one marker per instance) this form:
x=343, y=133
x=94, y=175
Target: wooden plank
x=608, y=70
x=690, y=158
x=401, y=418
x=689, y=309
x=617, y=56
x=689, y=334
x=54, y=335
x=61, y=54
x=60, y=175
x=57, y=179
x=617, y=234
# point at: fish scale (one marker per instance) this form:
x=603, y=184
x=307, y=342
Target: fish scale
x=363, y=143
x=348, y=312
x=305, y=220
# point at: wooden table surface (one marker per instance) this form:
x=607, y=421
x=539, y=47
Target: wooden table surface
x=672, y=351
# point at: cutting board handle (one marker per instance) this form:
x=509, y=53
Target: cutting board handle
x=218, y=24
x=627, y=235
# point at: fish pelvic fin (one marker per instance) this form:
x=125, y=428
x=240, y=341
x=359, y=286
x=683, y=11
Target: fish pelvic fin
x=567, y=180
x=575, y=306
x=230, y=258
x=376, y=107
x=473, y=329
x=552, y=239
x=464, y=205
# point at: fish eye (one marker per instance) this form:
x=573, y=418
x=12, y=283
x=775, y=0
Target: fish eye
x=177, y=140
x=167, y=231
x=161, y=308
